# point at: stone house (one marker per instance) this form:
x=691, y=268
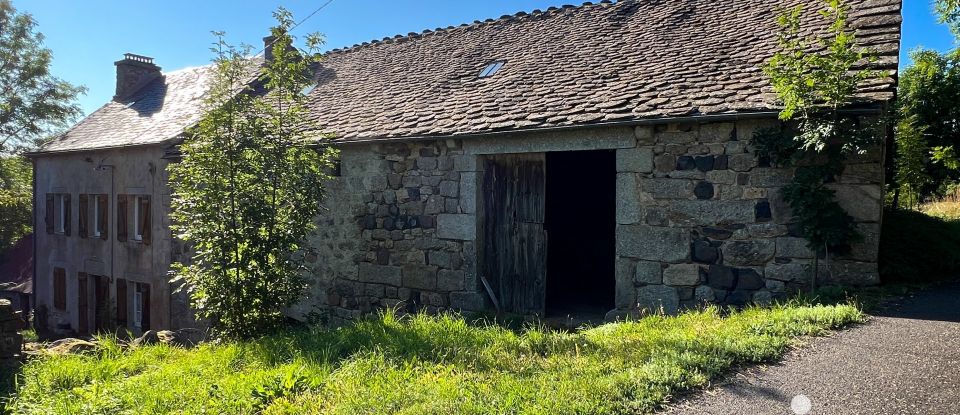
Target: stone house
x=591, y=159
x=103, y=243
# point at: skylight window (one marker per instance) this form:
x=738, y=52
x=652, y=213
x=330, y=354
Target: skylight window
x=491, y=69
x=308, y=89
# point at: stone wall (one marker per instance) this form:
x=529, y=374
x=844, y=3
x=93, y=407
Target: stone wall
x=133, y=170
x=701, y=219
x=399, y=232
x=11, y=322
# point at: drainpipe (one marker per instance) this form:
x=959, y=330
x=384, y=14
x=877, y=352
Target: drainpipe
x=33, y=279
x=113, y=192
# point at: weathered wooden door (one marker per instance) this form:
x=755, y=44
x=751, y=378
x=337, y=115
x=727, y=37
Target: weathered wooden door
x=514, y=239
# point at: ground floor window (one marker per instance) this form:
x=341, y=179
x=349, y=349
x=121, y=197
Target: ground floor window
x=141, y=306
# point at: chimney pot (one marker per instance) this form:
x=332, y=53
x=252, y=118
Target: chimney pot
x=133, y=73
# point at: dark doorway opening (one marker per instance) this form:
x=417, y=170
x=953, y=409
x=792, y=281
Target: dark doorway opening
x=580, y=224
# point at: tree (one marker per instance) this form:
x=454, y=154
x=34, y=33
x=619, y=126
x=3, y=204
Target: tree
x=929, y=97
x=16, y=193
x=949, y=13
x=33, y=103
x=814, y=88
x=913, y=154
x=249, y=186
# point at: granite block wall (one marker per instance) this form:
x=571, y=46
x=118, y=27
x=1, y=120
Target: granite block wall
x=701, y=219
x=398, y=232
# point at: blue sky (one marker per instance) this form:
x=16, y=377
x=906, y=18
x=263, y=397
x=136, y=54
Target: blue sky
x=88, y=36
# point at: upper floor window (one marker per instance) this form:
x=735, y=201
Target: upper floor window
x=57, y=215
x=93, y=216
x=133, y=221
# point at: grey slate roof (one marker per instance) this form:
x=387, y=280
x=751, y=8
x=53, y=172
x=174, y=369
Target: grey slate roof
x=598, y=63
x=570, y=66
x=159, y=112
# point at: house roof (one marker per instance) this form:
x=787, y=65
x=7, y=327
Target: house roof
x=158, y=112
x=16, y=266
x=596, y=63
x=600, y=63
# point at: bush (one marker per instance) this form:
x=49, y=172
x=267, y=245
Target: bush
x=918, y=248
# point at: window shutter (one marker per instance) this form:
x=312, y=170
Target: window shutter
x=59, y=288
x=145, y=294
x=122, y=218
x=83, y=306
x=82, y=217
x=103, y=204
x=48, y=216
x=122, y=302
x=145, y=219
x=67, y=218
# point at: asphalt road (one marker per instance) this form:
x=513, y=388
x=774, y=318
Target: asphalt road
x=905, y=360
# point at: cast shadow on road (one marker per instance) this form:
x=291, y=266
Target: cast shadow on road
x=940, y=303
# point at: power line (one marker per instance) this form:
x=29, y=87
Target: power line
x=311, y=14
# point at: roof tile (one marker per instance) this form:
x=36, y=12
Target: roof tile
x=622, y=61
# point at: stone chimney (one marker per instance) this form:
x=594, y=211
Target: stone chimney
x=268, y=48
x=133, y=73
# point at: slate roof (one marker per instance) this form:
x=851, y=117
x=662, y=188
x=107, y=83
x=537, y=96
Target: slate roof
x=635, y=59
x=570, y=66
x=159, y=112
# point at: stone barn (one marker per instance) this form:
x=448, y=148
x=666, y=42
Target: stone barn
x=591, y=160
x=577, y=160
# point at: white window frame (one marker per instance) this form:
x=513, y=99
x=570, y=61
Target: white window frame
x=96, y=216
x=61, y=212
x=137, y=231
x=137, y=307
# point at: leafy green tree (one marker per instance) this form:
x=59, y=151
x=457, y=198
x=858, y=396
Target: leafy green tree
x=814, y=88
x=249, y=186
x=929, y=96
x=913, y=154
x=949, y=12
x=16, y=192
x=33, y=103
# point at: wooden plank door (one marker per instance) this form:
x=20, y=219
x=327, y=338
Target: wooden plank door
x=514, y=239
x=83, y=307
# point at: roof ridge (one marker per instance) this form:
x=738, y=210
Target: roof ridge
x=536, y=13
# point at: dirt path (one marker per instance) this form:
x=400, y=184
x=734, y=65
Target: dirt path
x=905, y=360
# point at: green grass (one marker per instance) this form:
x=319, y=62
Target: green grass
x=946, y=209
x=426, y=365
x=918, y=248
x=29, y=335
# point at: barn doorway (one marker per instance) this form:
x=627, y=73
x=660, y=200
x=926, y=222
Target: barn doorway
x=580, y=226
x=547, y=241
